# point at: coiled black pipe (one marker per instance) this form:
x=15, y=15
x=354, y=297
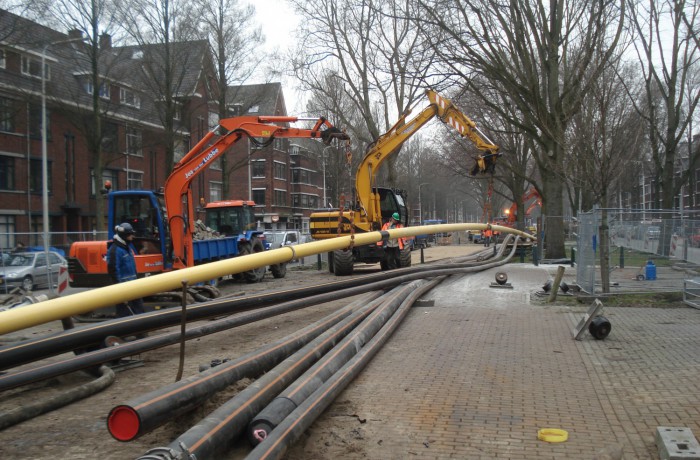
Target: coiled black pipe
x=31, y=410
x=294, y=425
x=140, y=415
x=217, y=431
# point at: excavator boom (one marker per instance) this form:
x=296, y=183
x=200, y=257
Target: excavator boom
x=178, y=193
x=390, y=142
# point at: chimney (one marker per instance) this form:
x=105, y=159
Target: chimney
x=105, y=41
x=75, y=34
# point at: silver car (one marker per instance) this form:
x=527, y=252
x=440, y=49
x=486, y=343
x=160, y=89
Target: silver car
x=29, y=270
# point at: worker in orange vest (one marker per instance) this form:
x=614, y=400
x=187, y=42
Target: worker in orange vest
x=393, y=248
x=488, y=233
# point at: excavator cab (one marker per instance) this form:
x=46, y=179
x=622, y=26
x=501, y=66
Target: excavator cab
x=393, y=200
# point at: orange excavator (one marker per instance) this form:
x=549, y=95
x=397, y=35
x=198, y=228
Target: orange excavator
x=165, y=222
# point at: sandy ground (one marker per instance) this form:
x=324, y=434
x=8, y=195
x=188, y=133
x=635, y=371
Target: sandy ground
x=79, y=431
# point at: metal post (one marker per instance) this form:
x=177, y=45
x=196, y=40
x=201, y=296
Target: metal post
x=44, y=158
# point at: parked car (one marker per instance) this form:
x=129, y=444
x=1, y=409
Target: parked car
x=29, y=270
x=280, y=238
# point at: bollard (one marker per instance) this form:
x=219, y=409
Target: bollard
x=535, y=256
x=622, y=257
x=319, y=264
x=573, y=257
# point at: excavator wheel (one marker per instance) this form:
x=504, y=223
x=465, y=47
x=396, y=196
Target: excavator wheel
x=342, y=262
x=255, y=275
x=279, y=270
x=405, y=257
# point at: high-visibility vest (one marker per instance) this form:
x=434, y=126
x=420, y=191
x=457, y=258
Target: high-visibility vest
x=388, y=226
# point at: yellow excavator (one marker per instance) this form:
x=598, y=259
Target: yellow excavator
x=371, y=205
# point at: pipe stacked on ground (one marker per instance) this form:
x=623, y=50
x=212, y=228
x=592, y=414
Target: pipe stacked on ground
x=222, y=427
x=293, y=426
x=140, y=415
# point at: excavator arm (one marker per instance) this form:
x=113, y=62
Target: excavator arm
x=178, y=193
x=390, y=142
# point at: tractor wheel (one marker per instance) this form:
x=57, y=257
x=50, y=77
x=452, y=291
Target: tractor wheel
x=253, y=247
x=342, y=262
x=405, y=257
x=279, y=270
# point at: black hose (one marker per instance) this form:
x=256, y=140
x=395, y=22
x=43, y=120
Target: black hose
x=31, y=410
x=218, y=430
x=294, y=425
x=144, y=413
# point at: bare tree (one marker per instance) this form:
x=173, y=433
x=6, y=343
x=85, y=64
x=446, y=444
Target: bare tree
x=543, y=57
x=605, y=136
x=167, y=46
x=94, y=21
x=668, y=56
x=234, y=39
x=372, y=50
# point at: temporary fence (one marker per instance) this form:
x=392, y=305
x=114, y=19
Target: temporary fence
x=659, y=235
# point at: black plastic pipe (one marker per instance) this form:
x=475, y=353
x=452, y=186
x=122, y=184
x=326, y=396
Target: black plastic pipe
x=140, y=415
x=272, y=415
x=293, y=426
x=92, y=336
x=216, y=432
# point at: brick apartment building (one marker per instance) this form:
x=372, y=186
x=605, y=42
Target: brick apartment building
x=284, y=179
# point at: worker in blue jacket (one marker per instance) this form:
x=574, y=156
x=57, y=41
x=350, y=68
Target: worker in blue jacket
x=122, y=266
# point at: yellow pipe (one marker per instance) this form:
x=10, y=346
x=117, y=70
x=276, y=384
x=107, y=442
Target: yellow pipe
x=84, y=302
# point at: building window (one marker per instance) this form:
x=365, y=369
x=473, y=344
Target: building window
x=7, y=115
x=36, y=176
x=104, y=89
x=280, y=198
x=280, y=170
x=7, y=173
x=177, y=111
x=216, y=191
x=129, y=97
x=213, y=120
x=107, y=175
x=7, y=232
x=32, y=67
x=280, y=144
x=133, y=142
x=256, y=143
x=3, y=63
x=259, y=168
x=259, y=196
x=134, y=180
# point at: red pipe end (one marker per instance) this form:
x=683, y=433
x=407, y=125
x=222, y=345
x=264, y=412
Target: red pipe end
x=123, y=423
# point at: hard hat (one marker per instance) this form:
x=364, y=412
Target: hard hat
x=396, y=216
x=124, y=229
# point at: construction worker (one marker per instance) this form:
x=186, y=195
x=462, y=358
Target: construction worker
x=122, y=265
x=393, y=248
x=488, y=233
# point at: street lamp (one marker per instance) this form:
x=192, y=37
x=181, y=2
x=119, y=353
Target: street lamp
x=44, y=160
x=420, y=203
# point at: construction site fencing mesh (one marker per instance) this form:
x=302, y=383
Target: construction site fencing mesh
x=635, y=237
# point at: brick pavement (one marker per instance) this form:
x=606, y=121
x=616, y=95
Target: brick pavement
x=476, y=375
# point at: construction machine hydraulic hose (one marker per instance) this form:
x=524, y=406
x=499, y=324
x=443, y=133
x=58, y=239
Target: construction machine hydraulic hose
x=142, y=414
x=30, y=350
x=31, y=410
x=216, y=432
x=294, y=425
x=83, y=302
